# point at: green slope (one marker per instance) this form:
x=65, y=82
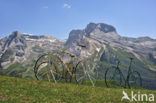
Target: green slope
x=16, y=90
x=108, y=58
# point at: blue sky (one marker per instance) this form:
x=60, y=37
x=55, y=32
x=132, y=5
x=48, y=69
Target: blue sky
x=131, y=18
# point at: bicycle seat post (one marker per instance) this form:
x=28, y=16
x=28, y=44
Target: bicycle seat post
x=131, y=58
x=129, y=69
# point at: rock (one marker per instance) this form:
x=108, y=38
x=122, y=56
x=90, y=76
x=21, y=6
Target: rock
x=20, y=54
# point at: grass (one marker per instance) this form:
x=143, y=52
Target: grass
x=17, y=90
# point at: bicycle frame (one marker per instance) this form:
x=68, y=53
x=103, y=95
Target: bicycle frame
x=123, y=80
x=126, y=80
x=129, y=72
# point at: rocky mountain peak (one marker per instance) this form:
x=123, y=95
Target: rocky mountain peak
x=98, y=31
x=90, y=28
x=18, y=47
x=106, y=28
x=100, y=26
x=14, y=39
x=73, y=35
x=16, y=34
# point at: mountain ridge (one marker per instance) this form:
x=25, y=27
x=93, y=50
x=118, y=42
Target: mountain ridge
x=101, y=44
x=100, y=32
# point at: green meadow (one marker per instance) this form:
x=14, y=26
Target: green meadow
x=17, y=90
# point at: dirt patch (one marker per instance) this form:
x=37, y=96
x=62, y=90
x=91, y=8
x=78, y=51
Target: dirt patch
x=26, y=99
x=2, y=97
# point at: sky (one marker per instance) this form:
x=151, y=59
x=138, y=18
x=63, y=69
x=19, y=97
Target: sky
x=132, y=18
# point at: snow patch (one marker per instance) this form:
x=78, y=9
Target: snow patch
x=98, y=49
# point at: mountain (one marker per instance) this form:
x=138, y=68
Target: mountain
x=99, y=43
x=95, y=36
x=24, y=47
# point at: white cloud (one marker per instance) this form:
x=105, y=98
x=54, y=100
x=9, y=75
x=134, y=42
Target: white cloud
x=65, y=5
x=45, y=7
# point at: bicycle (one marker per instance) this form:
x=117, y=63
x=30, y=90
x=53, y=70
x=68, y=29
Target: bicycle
x=114, y=77
x=52, y=67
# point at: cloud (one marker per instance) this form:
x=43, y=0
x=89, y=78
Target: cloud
x=65, y=5
x=45, y=7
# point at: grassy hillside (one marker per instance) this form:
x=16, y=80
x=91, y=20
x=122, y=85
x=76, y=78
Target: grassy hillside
x=16, y=90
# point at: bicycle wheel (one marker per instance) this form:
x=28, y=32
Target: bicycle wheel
x=134, y=80
x=79, y=73
x=68, y=73
x=114, y=78
x=42, y=71
x=75, y=70
x=91, y=73
x=48, y=67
